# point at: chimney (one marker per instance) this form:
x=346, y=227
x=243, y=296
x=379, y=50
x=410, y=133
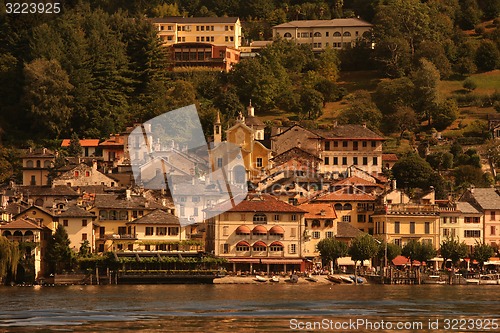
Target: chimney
x=94, y=165
x=322, y=212
x=364, y=124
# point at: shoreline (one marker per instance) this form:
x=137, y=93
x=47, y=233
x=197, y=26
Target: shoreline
x=321, y=279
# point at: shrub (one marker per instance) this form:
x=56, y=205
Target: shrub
x=469, y=84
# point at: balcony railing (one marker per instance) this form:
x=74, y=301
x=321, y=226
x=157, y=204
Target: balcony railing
x=408, y=208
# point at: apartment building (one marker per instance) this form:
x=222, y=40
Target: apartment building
x=320, y=34
x=220, y=31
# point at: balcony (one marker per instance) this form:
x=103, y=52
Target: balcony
x=410, y=209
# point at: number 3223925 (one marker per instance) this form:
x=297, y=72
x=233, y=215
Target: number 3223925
x=33, y=8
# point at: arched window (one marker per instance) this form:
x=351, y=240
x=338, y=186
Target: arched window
x=287, y=35
x=18, y=233
x=316, y=223
x=338, y=206
x=347, y=206
x=28, y=233
x=260, y=219
x=276, y=247
x=328, y=223
x=336, y=34
x=38, y=164
x=29, y=163
x=347, y=34
x=6, y=233
x=317, y=34
x=46, y=164
x=103, y=214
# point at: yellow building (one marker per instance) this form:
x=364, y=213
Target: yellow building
x=221, y=31
x=260, y=233
x=78, y=223
x=320, y=34
x=248, y=134
x=36, y=166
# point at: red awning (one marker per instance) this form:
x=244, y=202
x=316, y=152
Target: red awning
x=276, y=244
x=277, y=230
x=243, y=260
x=282, y=261
x=242, y=243
x=243, y=230
x=259, y=243
x=259, y=230
x=401, y=261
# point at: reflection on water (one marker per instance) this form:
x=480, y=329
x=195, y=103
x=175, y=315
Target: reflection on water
x=226, y=308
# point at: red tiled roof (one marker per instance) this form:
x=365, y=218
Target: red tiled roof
x=257, y=203
x=389, y=157
x=355, y=180
x=314, y=210
x=83, y=142
x=22, y=224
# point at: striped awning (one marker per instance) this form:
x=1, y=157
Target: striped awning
x=242, y=243
x=259, y=243
x=277, y=230
x=276, y=244
x=243, y=230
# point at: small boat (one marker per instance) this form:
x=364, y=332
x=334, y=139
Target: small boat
x=293, y=279
x=489, y=279
x=358, y=279
x=472, y=281
x=259, y=278
x=346, y=279
x=433, y=279
x=311, y=279
x=334, y=279
x=274, y=279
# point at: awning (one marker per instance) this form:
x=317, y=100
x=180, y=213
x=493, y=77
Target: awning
x=243, y=260
x=401, y=261
x=243, y=230
x=277, y=230
x=282, y=261
x=347, y=261
x=259, y=230
x=259, y=243
x=276, y=244
x=242, y=243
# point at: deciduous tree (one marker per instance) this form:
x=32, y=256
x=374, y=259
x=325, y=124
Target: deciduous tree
x=331, y=249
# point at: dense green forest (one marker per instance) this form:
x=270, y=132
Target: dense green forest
x=97, y=66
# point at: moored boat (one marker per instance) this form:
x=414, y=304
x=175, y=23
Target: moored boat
x=346, y=279
x=489, y=279
x=433, y=279
x=311, y=279
x=274, y=279
x=259, y=278
x=334, y=279
x=358, y=280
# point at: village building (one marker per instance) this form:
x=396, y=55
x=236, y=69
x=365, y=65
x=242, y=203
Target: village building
x=84, y=175
x=79, y=224
x=89, y=146
x=36, y=166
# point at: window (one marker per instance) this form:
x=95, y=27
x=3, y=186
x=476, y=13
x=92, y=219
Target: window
x=492, y=216
x=317, y=34
x=329, y=234
x=195, y=211
x=293, y=217
x=149, y=231
x=345, y=144
x=327, y=34
x=65, y=223
x=327, y=160
x=226, y=39
x=259, y=162
x=287, y=35
x=355, y=160
x=361, y=218
x=347, y=34
x=355, y=145
x=293, y=232
x=259, y=248
x=316, y=224
x=346, y=218
x=293, y=249
x=77, y=174
x=397, y=227
x=276, y=217
x=84, y=223
x=427, y=227
x=260, y=219
x=471, y=219
x=472, y=233
x=225, y=231
x=328, y=223
x=242, y=248
x=182, y=211
x=33, y=180
x=225, y=248
x=219, y=162
x=173, y=231
x=375, y=160
x=365, y=160
x=316, y=234
x=446, y=232
x=344, y=160
x=374, y=144
x=412, y=227
x=336, y=34
x=161, y=231
x=335, y=144
x=276, y=248
x=335, y=161
x=364, y=144
x=84, y=237
x=492, y=230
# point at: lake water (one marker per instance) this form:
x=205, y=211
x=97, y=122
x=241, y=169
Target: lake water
x=250, y=308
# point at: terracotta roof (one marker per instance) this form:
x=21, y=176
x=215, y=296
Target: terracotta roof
x=390, y=157
x=343, y=22
x=314, y=211
x=345, y=194
x=355, y=180
x=75, y=211
x=182, y=20
x=83, y=142
x=21, y=224
x=257, y=203
x=15, y=208
x=358, y=132
x=346, y=230
x=114, y=141
x=157, y=216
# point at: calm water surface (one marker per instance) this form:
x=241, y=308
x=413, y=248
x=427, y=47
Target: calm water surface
x=247, y=308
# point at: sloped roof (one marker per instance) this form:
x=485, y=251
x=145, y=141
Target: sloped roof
x=314, y=211
x=75, y=211
x=83, y=142
x=316, y=135
x=350, y=132
x=258, y=203
x=466, y=207
x=487, y=198
x=342, y=22
x=47, y=191
x=254, y=121
x=390, y=157
x=20, y=224
x=157, y=216
x=350, y=193
x=355, y=180
x=120, y=202
x=346, y=230
x=294, y=153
